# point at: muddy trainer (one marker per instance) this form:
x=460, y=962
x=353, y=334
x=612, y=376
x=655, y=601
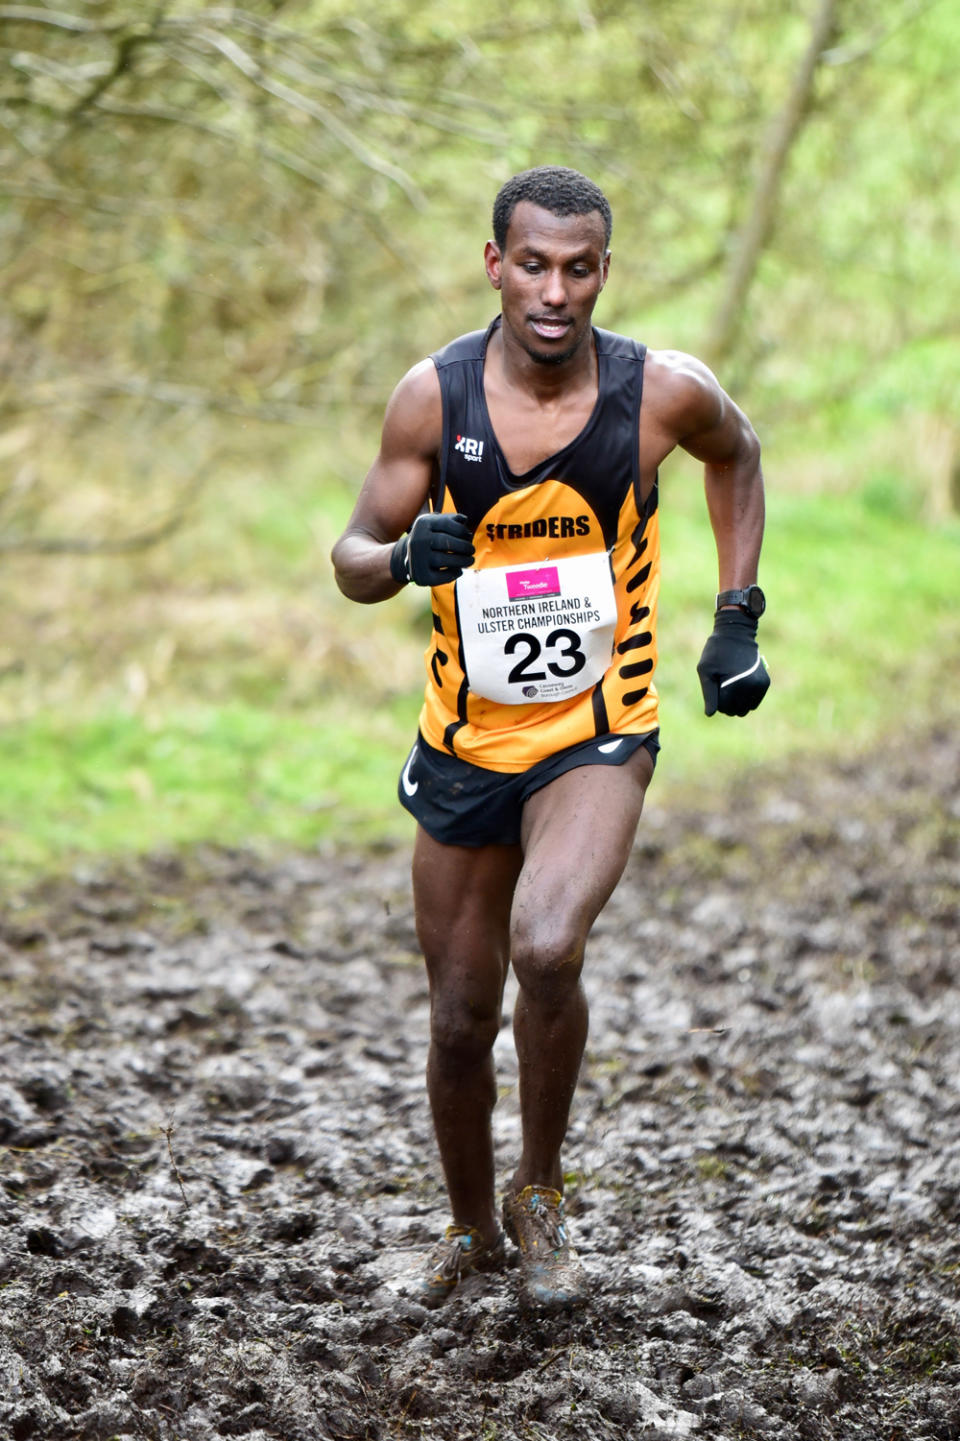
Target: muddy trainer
x=517, y=480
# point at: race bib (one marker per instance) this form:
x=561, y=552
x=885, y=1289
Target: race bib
x=534, y=633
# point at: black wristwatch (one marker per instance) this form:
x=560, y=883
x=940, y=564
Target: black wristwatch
x=751, y=600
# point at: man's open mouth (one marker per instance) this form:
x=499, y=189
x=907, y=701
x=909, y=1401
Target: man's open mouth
x=550, y=327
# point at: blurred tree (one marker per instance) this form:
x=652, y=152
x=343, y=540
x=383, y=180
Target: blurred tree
x=268, y=210
x=758, y=226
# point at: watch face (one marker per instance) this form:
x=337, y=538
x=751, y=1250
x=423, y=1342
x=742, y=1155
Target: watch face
x=756, y=601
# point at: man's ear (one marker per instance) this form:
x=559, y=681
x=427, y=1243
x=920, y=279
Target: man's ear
x=493, y=261
x=605, y=269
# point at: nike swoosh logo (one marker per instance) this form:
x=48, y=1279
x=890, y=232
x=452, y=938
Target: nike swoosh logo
x=743, y=674
x=609, y=746
x=409, y=786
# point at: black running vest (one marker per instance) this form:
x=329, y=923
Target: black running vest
x=584, y=499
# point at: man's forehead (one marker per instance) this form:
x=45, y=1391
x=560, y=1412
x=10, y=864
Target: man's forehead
x=534, y=228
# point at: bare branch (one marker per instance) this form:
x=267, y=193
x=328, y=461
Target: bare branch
x=103, y=545
x=97, y=98
x=57, y=19
x=766, y=191
x=879, y=35
x=122, y=61
x=326, y=180
x=356, y=91
x=177, y=397
x=113, y=545
x=87, y=199
x=253, y=71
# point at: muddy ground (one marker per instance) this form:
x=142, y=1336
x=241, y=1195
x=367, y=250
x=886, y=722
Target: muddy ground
x=217, y=1171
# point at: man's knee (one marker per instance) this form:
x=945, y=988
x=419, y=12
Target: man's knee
x=462, y=1031
x=548, y=957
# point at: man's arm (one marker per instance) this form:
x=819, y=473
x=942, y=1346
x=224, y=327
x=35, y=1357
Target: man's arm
x=693, y=411
x=395, y=489
x=712, y=428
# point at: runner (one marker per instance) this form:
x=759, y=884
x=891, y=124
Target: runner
x=517, y=479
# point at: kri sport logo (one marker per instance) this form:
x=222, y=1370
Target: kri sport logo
x=470, y=449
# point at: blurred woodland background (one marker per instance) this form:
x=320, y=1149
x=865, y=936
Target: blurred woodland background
x=226, y=231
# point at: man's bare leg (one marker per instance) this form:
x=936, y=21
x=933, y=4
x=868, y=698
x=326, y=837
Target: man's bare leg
x=577, y=836
x=462, y=898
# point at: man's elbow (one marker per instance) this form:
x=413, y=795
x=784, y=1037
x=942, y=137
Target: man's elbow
x=344, y=573
x=344, y=584
x=748, y=447
x=358, y=571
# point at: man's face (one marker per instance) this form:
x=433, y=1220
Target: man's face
x=549, y=275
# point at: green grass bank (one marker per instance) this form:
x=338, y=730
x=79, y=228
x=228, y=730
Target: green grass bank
x=217, y=688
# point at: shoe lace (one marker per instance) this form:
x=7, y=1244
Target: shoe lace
x=548, y=1218
x=451, y=1253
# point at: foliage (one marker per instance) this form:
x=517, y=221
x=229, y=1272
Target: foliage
x=273, y=209
x=225, y=232
x=220, y=688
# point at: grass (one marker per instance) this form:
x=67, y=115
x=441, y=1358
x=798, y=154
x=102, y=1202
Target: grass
x=861, y=635
x=235, y=774
x=218, y=687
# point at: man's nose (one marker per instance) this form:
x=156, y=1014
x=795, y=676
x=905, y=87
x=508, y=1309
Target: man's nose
x=554, y=288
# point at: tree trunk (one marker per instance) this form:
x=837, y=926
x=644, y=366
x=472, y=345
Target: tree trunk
x=755, y=233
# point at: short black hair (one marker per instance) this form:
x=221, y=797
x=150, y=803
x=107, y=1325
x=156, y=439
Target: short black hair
x=553, y=188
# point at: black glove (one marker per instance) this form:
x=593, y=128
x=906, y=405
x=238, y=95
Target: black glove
x=434, y=551
x=732, y=674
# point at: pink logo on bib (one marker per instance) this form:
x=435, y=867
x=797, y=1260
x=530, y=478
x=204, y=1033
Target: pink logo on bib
x=540, y=580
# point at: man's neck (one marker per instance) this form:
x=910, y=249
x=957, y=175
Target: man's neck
x=541, y=380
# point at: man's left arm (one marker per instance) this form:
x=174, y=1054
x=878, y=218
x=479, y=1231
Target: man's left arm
x=713, y=429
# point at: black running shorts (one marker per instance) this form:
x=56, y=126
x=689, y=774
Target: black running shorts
x=461, y=804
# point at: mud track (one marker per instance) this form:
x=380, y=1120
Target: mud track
x=217, y=1171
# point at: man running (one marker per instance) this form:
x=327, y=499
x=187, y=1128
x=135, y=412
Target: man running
x=517, y=480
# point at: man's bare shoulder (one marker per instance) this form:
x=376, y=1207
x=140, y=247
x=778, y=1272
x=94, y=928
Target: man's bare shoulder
x=421, y=383
x=682, y=391
x=414, y=416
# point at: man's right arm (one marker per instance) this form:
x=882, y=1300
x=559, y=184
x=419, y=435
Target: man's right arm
x=395, y=490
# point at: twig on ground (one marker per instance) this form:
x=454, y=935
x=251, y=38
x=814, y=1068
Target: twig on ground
x=168, y=1131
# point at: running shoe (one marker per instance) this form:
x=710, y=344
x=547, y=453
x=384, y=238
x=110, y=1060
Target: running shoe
x=461, y=1252
x=551, y=1276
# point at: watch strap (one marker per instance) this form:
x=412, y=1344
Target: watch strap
x=743, y=599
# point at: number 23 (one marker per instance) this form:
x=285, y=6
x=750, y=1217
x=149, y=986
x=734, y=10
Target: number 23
x=566, y=641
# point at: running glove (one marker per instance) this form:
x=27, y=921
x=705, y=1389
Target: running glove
x=732, y=674
x=435, y=550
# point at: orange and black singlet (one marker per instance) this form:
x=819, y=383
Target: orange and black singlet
x=548, y=534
